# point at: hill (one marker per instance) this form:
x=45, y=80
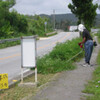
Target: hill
x=62, y=17
x=69, y=17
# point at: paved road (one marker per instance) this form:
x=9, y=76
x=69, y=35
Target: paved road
x=10, y=59
x=95, y=30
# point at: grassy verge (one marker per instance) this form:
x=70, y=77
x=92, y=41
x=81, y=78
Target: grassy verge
x=48, y=66
x=9, y=44
x=51, y=34
x=98, y=34
x=56, y=60
x=93, y=87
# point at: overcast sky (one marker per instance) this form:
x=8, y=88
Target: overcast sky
x=31, y=7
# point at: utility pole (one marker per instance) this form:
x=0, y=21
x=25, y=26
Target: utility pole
x=45, y=23
x=54, y=18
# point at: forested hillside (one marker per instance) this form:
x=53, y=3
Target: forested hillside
x=69, y=17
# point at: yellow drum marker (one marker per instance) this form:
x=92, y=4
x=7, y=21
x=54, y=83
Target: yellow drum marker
x=4, y=81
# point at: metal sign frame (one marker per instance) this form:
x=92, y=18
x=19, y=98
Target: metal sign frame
x=27, y=51
x=22, y=49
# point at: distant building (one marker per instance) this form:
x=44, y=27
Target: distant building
x=72, y=28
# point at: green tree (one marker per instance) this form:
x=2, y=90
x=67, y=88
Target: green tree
x=11, y=3
x=18, y=22
x=4, y=23
x=36, y=25
x=85, y=10
x=11, y=23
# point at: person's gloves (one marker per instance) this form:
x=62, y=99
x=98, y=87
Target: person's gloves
x=80, y=44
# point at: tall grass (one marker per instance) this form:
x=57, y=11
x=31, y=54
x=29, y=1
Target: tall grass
x=98, y=34
x=56, y=60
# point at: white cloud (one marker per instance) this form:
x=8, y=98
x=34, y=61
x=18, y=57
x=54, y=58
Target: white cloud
x=41, y=6
x=32, y=7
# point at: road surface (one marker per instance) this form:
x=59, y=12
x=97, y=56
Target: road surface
x=10, y=58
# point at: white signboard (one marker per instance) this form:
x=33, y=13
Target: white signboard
x=45, y=23
x=72, y=28
x=28, y=52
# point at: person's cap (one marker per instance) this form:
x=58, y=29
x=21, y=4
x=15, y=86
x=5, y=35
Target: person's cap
x=81, y=27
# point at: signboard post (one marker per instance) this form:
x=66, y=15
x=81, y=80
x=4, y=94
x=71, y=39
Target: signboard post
x=28, y=54
x=45, y=23
x=3, y=81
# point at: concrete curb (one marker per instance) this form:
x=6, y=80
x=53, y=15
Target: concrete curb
x=18, y=78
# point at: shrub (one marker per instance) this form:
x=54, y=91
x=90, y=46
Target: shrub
x=56, y=60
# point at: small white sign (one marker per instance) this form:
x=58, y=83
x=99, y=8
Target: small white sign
x=45, y=23
x=28, y=52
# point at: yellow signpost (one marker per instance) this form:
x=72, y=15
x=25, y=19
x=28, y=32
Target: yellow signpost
x=4, y=81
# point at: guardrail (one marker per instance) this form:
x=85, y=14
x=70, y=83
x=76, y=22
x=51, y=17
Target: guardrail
x=9, y=40
x=51, y=33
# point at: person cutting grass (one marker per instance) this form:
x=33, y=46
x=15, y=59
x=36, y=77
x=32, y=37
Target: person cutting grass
x=88, y=44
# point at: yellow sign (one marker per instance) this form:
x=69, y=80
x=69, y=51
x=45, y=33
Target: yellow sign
x=3, y=81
